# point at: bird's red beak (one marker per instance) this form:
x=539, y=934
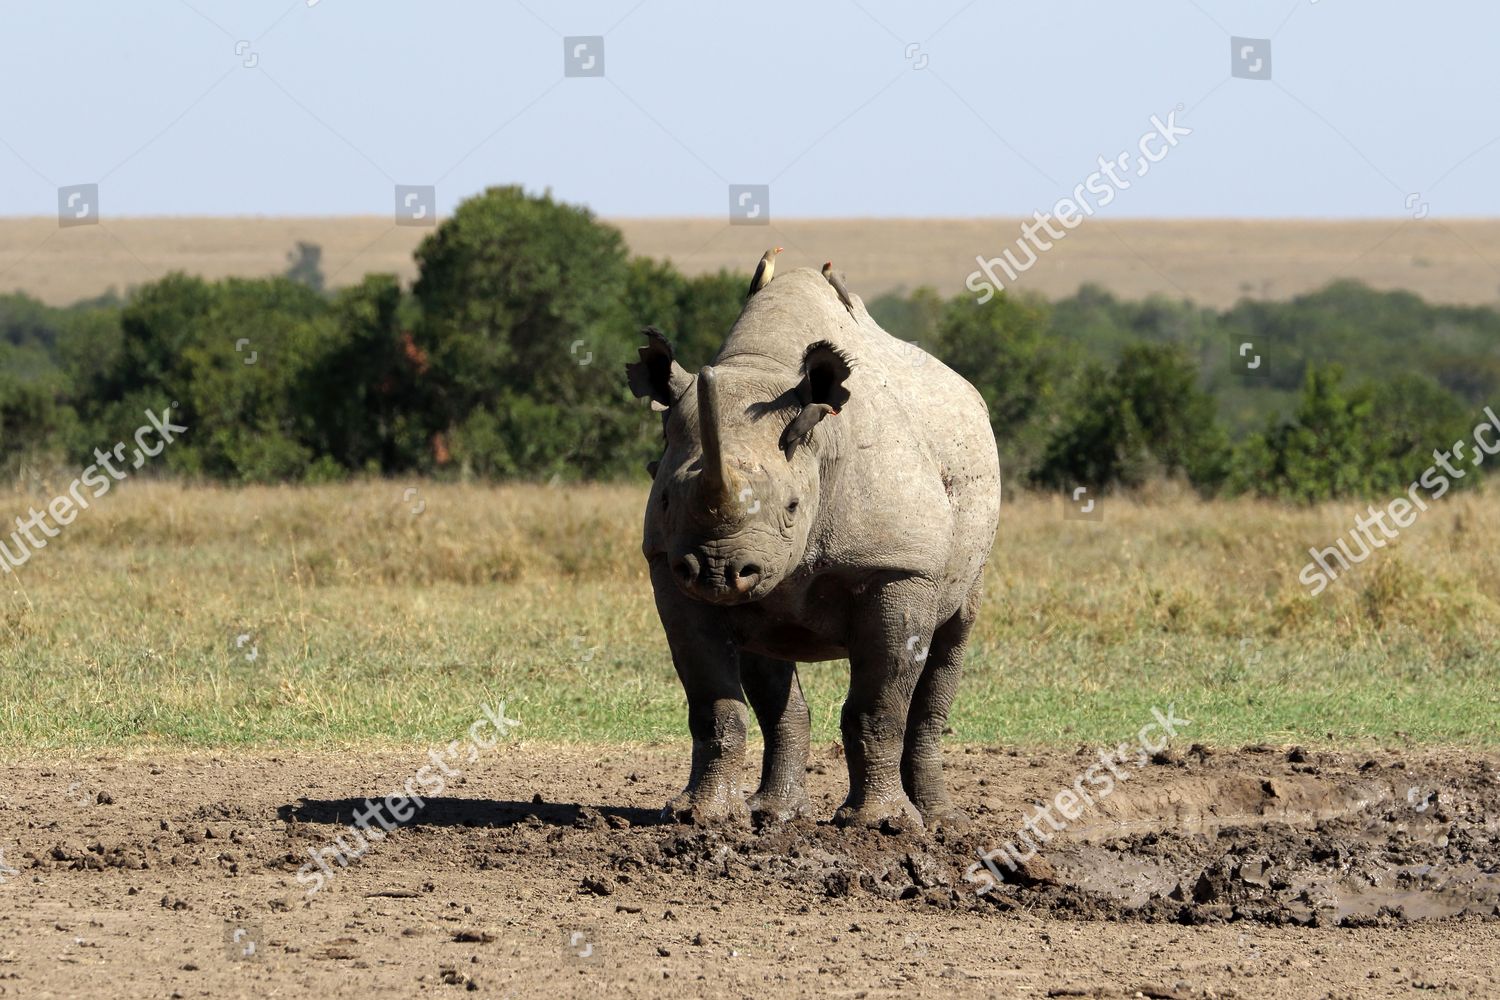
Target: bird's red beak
x=778, y=249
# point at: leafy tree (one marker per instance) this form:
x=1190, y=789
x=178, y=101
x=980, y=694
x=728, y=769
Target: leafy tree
x=1411, y=415
x=1004, y=348
x=25, y=322
x=1176, y=417
x=305, y=265
x=1322, y=452
x=370, y=392
x=34, y=423
x=912, y=318
x=229, y=354
x=1101, y=444
x=696, y=314
x=654, y=293
x=1146, y=417
x=1374, y=439
x=521, y=300
x=708, y=309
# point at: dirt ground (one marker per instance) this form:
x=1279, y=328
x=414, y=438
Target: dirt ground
x=543, y=871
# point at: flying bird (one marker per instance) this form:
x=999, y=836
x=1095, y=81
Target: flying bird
x=802, y=424
x=763, y=271
x=838, y=286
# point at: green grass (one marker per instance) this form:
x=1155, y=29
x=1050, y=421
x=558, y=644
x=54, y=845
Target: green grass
x=370, y=625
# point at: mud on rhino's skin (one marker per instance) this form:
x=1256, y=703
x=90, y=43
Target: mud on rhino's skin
x=825, y=491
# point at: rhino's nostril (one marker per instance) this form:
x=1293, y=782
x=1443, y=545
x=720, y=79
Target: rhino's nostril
x=747, y=577
x=686, y=569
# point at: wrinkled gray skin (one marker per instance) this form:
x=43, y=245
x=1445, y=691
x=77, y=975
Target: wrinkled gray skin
x=865, y=540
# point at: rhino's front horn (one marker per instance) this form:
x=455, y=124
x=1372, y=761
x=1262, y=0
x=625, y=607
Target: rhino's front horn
x=715, y=480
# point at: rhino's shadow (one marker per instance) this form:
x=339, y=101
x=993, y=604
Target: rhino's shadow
x=453, y=811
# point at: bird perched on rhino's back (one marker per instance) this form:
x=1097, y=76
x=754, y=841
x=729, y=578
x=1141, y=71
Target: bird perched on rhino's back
x=763, y=271
x=838, y=286
x=777, y=532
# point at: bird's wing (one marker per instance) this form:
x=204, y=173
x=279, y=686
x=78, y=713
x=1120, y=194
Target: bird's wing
x=837, y=282
x=843, y=290
x=801, y=428
x=801, y=425
x=760, y=271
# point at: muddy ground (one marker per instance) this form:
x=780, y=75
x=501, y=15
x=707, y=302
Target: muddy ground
x=543, y=871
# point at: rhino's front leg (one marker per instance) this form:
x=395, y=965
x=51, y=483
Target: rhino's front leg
x=708, y=666
x=776, y=696
x=890, y=640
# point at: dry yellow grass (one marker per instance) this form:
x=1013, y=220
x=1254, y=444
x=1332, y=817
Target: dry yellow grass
x=1214, y=262
x=372, y=623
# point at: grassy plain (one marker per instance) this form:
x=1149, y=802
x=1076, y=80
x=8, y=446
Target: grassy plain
x=1214, y=262
x=386, y=612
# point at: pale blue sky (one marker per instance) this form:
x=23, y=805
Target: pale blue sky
x=1370, y=101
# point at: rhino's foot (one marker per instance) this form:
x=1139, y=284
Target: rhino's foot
x=946, y=816
x=725, y=809
x=896, y=814
x=769, y=807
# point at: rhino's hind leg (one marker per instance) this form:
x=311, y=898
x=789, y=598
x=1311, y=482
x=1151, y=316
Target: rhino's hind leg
x=708, y=667
x=890, y=640
x=776, y=697
x=922, y=760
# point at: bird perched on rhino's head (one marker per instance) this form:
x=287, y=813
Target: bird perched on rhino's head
x=838, y=286
x=764, y=271
x=802, y=425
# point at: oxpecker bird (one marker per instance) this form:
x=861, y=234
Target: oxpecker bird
x=763, y=271
x=838, y=286
x=802, y=424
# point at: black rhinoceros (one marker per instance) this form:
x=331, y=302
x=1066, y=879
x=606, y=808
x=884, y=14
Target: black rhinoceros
x=826, y=491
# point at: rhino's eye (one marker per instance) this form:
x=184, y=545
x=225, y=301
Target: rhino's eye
x=666, y=501
x=791, y=507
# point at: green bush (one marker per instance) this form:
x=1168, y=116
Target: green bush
x=694, y=313
x=522, y=315
x=1372, y=440
x=1146, y=418
x=370, y=394
x=34, y=422
x=1005, y=348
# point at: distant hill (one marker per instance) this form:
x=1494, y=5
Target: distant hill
x=1213, y=262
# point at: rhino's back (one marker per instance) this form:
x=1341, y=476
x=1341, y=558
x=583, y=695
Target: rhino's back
x=892, y=377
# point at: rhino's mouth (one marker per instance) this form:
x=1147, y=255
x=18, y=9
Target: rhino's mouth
x=724, y=594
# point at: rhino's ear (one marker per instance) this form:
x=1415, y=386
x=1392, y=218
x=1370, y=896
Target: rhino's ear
x=657, y=374
x=825, y=369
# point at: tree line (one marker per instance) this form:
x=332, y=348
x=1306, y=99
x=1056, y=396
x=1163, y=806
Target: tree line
x=504, y=360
